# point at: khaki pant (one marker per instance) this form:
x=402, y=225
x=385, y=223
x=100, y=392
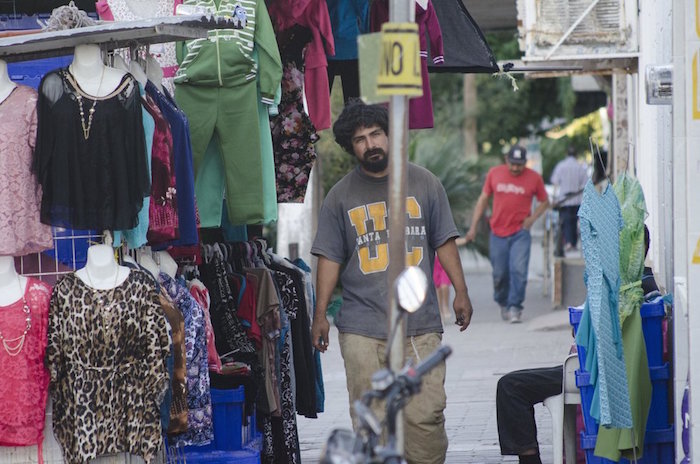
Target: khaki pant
x=425, y=438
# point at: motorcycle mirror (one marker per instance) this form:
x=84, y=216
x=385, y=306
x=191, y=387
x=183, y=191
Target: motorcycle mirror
x=367, y=418
x=411, y=288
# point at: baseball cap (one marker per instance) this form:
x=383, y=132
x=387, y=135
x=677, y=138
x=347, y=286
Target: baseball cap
x=517, y=154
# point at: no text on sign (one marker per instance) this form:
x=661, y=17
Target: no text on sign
x=400, y=66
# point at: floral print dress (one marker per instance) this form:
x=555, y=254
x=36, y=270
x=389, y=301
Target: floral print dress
x=293, y=133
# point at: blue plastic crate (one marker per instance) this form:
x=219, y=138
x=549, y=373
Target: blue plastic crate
x=227, y=412
x=245, y=456
x=659, y=409
x=652, y=325
x=657, y=420
x=583, y=382
x=19, y=22
x=30, y=73
x=658, y=448
x=652, y=318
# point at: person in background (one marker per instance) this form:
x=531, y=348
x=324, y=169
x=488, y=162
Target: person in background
x=569, y=177
x=513, y=187
x=518, y=391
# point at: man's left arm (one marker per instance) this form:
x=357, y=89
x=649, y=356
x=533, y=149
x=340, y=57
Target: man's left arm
x=530, y=220
x=449, y=258
x=542, y=197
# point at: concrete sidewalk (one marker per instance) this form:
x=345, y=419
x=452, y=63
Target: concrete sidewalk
x=482, y=354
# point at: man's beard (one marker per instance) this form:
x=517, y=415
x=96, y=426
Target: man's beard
x=375, y=165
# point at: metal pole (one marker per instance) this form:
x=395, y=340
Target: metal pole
x=400, y=11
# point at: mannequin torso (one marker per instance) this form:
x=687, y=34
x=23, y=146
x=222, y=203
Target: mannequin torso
x=145, y=259
x=89, y=71
x=167, y=263
x=6, y=85
x=12, y=285
x=154, y=72
x=423, y=4
x=101, y=271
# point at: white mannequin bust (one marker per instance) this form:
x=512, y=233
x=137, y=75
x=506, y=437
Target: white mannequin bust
x=12, y=285
x=93, y=77
x=139, y=74
x=145, y=259
x=6, y=85
x=154, y=72
x=167, y=263
x=423, y=4
x=119, y=63
x=101, y=270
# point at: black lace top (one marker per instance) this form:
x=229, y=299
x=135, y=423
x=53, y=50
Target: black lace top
x=94, y=174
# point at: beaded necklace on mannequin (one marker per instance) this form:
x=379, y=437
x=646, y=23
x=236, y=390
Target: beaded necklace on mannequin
x=7, y=343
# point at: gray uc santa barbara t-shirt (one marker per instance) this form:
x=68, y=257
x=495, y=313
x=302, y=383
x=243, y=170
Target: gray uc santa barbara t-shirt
x=353, y=231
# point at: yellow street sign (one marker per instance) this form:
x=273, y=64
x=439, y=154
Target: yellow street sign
x=400, y=66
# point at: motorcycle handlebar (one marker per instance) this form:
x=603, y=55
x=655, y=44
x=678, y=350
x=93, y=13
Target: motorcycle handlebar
x=430, y=362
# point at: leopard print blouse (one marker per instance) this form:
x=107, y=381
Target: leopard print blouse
x=106, y=354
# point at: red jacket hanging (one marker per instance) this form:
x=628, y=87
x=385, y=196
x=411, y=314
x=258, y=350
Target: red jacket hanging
x=420, y=110
x=314, y=15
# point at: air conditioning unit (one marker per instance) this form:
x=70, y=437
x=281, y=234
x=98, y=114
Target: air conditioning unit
x=577, y=29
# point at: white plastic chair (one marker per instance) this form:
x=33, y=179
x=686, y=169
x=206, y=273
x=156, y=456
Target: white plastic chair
x=562, y=407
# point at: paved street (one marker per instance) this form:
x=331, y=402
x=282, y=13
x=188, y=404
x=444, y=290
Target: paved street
x=482, y=354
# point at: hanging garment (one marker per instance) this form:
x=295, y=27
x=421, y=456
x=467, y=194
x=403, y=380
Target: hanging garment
x=466, y=49
x=632, y=253
x=24, y=381
x=210, y=183
x=290, y=283
x=312, y=14
x=178, y=411
x=201, y=295
x=206, y=82
x=420, y=109
x=599, y=331
x=120, y=10
x=182, y=158
x=106, y=354
x=293, y=133
x=348, y=21
x=164, y=224
x=136, y=237
x=268, y=318
x=280, y=434
x=21, y=231
x=311, y=310
x=200, y=429
x=613, y=443
x=94, y=176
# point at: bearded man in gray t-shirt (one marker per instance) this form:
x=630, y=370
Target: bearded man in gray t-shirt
x=352, y=243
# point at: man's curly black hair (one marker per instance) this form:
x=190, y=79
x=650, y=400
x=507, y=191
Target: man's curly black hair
x=356, y=114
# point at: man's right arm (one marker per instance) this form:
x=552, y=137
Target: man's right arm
x=327, y=274
x=479, y=210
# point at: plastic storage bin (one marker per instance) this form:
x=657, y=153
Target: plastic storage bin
x=658, y=409
x=30, y=73
x=245, y=456
x=227, y=412
x=658, y=448
x=652, y=318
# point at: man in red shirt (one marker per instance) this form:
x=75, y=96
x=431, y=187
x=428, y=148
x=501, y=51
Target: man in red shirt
x=513, y=186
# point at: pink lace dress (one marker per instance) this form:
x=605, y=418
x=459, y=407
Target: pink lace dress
x=24, y=381
x=21, y=231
